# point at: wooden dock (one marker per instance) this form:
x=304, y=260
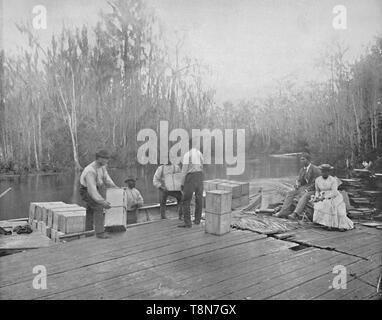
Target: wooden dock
x=161, y=261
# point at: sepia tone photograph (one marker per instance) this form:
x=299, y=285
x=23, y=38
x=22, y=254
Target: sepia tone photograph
x=194, y=151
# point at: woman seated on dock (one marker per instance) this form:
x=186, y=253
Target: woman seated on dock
x=329, y=205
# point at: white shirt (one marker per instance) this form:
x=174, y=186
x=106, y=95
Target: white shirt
x=192, y=162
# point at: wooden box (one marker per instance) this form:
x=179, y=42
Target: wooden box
x=244, y=200
x=218, y=201
x=46, y=209
x=34, y=205
x=55, y=235
x=115, y=196
x=53, y=214
x=71, y=222
x=34, y=225
x=210, y=185
x=236, y=203
x=41, y=226
x=235, y=189
x=42, y=210
x=46, y=231
x=115, y=217
x=218, y=224
x=244, y=187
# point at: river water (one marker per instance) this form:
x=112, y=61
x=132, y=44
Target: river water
x=65, y=186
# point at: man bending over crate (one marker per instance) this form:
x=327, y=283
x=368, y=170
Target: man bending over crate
x=94, y=180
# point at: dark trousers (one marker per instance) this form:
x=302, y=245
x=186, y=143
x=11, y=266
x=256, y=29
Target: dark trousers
x=95, y=216
x=163, y=194
x=193, y=183
x=131, y=216
x=303, y=199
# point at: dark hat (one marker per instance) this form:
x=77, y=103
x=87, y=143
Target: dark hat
x=326, y=167
x=130, y=178
x=103, y=154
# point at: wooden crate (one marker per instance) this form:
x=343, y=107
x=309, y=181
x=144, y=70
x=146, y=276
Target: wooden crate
x=34, y=225
x=115, y=196
x=236, y=203
x=41, y=226
x=46, y=231
x=209, y=185
x=53, y=214
x=244, y=187
x=33, y=206
x=46, y=208
x=218, y=224
x=115, y=217
x=244, y=200
x=57, y=236
x=42, y=210
x=218, y=201
x=71, y=222
x=235, y=189
x=53, y=233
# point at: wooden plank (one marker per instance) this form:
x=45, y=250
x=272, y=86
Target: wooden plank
x=218, y=259
x=287, y=281
x=66, y=255
x=318, y=286
x=70, y=255
x=299, y=273
x=130, y=261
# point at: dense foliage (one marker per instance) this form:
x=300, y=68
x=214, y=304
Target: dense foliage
x=59, y=104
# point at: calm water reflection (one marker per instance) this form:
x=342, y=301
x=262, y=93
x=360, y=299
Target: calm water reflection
x=64, y=187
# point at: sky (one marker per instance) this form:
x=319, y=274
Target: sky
x=248, y=44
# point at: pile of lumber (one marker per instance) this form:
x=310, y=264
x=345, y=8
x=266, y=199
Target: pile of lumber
x=57, y=220
x=362, y=197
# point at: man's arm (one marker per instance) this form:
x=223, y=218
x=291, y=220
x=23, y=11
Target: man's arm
x=184, y=169
x=140, y=199
x=92, y=190
x=157, y=179
x=108, y=181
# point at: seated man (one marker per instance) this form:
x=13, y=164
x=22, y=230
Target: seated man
x=134, y=200
x=304, y=189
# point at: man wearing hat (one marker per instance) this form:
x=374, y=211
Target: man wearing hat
x=134, y=199
x=94, y=180
x=304, y=189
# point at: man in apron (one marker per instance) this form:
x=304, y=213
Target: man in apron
x=94, y=180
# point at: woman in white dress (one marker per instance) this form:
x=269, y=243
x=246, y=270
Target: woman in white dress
x=329, y=205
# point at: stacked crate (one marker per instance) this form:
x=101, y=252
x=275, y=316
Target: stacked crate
x=55, y=219
x=116, y=215
x=238, y=189
x=218, y=211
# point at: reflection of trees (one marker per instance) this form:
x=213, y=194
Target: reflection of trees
x=75, y=198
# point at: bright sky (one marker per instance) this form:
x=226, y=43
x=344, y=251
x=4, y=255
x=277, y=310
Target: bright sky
x=248, y=43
